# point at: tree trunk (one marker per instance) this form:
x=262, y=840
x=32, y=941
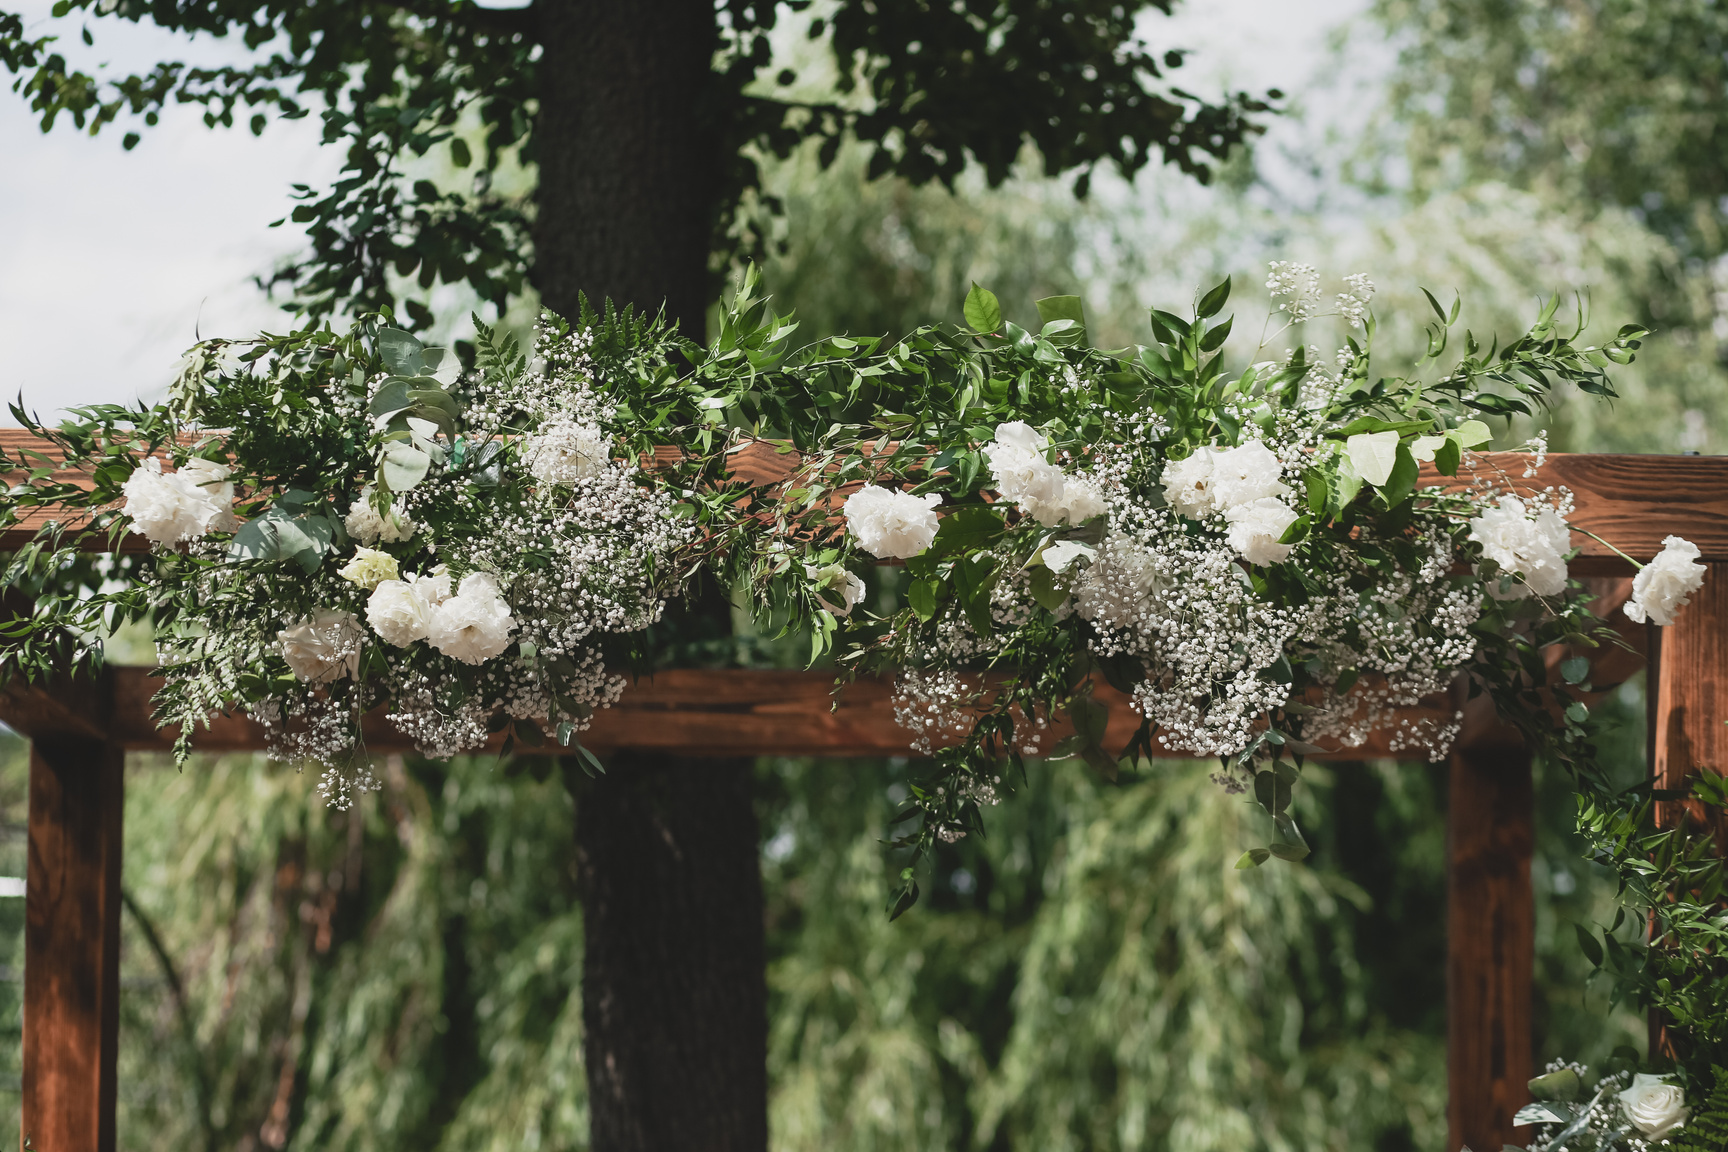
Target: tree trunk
x=674, y=1004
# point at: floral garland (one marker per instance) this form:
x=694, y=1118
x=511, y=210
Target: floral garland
x=479, y=543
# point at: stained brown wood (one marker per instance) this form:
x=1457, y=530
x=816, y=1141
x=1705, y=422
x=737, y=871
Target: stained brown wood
x=1692, y=693
x=1491, y=944
x=72, y=944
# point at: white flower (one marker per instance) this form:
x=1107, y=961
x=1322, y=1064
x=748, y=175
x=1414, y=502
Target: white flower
x=1665, y=585
x=1080, y=501
x=213, y=478
x=168, y=507
x=1654, y=1107
x=1532, y=547
x=835, y=578
x=399, y=612
x=1060, y=556
x=474, y=625
x=1256, y=528
x=892, y=525
x=435, y=585
x=566, y=451
x=1117, y=584
x=1022, y=473
x=1246, y=474
x=367, y=526
x=324, y=648
x=370, y=568
x=1188, y=484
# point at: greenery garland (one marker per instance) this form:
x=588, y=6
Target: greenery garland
x=341, y=521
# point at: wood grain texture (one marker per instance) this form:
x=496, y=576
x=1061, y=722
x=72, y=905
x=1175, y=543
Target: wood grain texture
x=72, y=944
x=1490, y=945
x=1692, y=694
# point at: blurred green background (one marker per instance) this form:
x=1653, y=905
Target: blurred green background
x=1093, y=974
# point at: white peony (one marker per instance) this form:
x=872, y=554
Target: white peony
x=1060, y=556
x=892, y=525
x=1654, y=1107
x=1080, y=501
x=1532, y=547
x=367, y=526
x=168, y=507
x=213, y=479
x=1188, y=484
x=400, y=611
x=1665, y=585
x=1255, y=529
x=834, y=578
x=1246, y=474
x=370, y=568
x=435, y=585
x=474, y=625
x=324, y=648
x=1022, y=473
x=565, y=451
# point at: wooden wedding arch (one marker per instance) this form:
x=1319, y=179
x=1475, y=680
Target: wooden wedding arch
x=80, y=732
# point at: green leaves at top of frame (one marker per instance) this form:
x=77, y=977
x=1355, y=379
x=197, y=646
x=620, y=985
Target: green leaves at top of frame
x=983, y=310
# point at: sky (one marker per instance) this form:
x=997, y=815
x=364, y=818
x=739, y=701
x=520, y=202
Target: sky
x=113, y=262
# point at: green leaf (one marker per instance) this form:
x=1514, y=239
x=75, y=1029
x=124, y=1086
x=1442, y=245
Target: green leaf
x=391, y=397
x=1253, y=858
x=459, y=153
x=1373, y=455
x=1045, y=589
x=1402, y=482
x=1560, y=1086
x=1447, y=457
x=1349, y=482
x=1375, y=424
x=400, y=351
x=1471, y=433
x=1213, y=302
x=1575, y=670
x=966, y=529
x=922, y=597
x=1591, y=948
x=1216, y=337
x=908, y=897
x=1314, y=481
x=1064, y=333
x=983, y=312
x=1053, y=308
x=404, y=466
x=1287, y=842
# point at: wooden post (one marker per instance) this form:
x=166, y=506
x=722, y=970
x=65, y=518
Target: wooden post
x=1490, y=943
x=72, y=923
x=1688, y=730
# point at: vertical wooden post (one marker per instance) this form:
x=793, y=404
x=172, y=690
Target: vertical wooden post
x=72, y=943
x=1688, y=730
x=1490, y=943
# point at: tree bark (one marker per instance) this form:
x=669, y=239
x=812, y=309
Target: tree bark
x=628, y=158
x=674, y=1003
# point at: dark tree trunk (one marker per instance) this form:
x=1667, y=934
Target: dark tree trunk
x=627, y=155
x=674, y=1005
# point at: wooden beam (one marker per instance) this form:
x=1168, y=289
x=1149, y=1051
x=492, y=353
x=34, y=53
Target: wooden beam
x=1490, y=944
x=72, y=944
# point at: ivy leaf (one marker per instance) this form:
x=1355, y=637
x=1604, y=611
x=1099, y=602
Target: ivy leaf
x=983, y=312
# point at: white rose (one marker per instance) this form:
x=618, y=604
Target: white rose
x=1060, y=556
x=370, y=568
x=1017, y=460
x=367, y=526
x=1665, y=585
x=1080, y=501
x=213, y=478
x=168, y=507
x=892, y=525
x=564, y=452
x=324, y=648
x=835, y=578
x=1655, y=1108
x=1246, y=474
x=1530, y=547
x=1256, y=528
x=1188, y=484
x=474, y=625
x=399, y=611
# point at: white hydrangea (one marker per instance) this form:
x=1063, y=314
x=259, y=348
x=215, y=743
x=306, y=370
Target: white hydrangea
x=1256, y=527
x=1246, y=474
x=323, y=648
x=368, y=527
x=1023, y=475
x=169, y=507
x=565, y=451
x=892, y=525
x=1188, y=484
x=474, y=625
x=1528, y=543
x=400, y=611
x=1665, y=585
